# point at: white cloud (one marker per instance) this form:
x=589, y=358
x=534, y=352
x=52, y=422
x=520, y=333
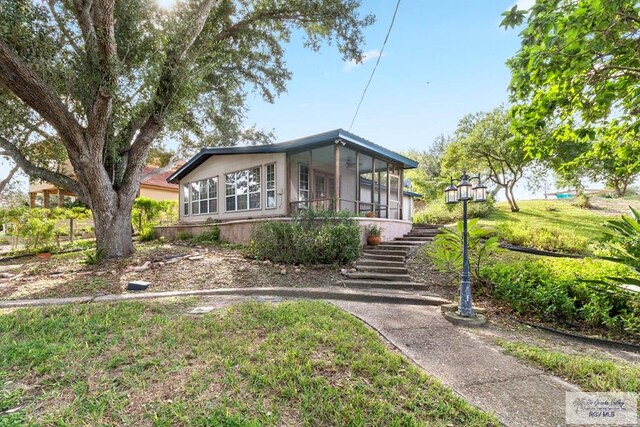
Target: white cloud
x=366, y=57
x=525, y=4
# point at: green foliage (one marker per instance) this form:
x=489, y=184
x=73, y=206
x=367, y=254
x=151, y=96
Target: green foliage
x=94, y=257
x=547, y=237
x=183, y=236
x=485, y=142
x=211, y=236
x=625, y=235
x=373, y=230
x=582, y=201
x=147, y=234
x=576, y=76
x=153, y=212
x=555, y=288
x=438, y=212
x=315, y=237
x=591, y=374
x=427, y=178
x=446, y=253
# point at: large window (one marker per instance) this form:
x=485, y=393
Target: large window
x=185, y=199
x=204, y=196
x=271, y=186
x=303, y=182
x=243, y=190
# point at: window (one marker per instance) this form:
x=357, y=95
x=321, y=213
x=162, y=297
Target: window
x=204, y=196
x=185, y=199
x=271, y=186
x=243, y=190
x=303, y=182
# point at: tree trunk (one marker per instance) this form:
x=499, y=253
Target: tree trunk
x=509, y=195
x=113, y=231
x=514, y=205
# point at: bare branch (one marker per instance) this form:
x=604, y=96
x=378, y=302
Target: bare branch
x=157, y=171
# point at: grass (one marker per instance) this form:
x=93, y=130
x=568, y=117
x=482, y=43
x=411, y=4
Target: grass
x=591, y=374
x=295, y=363
x=554, y=225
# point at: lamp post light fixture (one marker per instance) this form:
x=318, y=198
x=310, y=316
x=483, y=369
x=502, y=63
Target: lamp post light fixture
x=463, y=192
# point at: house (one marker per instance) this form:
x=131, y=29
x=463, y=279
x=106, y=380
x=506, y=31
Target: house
x=334, y=170
x=45, y=194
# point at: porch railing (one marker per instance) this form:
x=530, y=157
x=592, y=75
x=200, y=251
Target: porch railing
x=377, y=210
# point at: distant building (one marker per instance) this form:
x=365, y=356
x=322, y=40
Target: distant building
x=45, y=194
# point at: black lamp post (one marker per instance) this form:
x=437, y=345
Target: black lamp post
x=464, y=192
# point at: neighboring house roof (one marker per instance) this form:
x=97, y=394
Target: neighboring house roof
x=160, y=180
x=301, y=144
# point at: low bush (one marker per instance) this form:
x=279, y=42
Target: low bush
x=210, y=236
x=313, y=238
x=553, y=239
x=554, y=288
x=438, y=212
x=147, y=234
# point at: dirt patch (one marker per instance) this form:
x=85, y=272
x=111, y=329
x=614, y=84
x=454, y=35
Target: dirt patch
x=166, y=267
x=422, y=270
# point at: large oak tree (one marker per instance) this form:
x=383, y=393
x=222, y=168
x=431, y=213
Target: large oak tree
x=107, y=79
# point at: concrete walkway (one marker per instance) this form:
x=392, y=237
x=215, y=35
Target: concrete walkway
x=518, y=394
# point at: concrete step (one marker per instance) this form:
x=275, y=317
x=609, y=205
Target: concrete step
x=426, y=226
x=382, y=269
x=376, y=284
x=388, y=250
x=423, y=233
x=381, y=262
x=379, y=276
x=408, y=238
x=403, y=243
x=372, y=255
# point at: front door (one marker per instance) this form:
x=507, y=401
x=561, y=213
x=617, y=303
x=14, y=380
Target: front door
x=324, y=189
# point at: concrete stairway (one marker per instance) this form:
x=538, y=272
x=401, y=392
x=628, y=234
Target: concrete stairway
x=384, y=267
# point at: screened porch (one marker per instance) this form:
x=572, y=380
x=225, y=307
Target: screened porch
x=335, y=177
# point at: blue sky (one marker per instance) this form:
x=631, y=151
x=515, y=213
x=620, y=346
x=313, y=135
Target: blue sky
x=444, y=59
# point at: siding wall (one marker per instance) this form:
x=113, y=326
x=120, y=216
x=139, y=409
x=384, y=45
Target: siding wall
x=218, y=166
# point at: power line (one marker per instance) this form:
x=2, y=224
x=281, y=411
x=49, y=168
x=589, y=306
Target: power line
x=393, y=20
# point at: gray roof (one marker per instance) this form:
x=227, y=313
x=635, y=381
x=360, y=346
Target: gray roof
x=300, y=144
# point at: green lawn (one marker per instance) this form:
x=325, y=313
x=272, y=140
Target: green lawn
x=554, y=225
x=295, y=363
x=591, y=374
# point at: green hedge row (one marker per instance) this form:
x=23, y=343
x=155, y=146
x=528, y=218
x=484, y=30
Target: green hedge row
x=554, y=288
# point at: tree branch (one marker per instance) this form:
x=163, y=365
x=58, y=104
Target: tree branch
x=33, y=91
x=62, y=28
x=57, y=179
x=7, y=180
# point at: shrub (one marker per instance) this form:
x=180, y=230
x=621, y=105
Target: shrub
x=147, y=212
x=147, y=234
x=554, y=288
x=438, y=212
x=446, y=253
x=210, y=236
x=183, y=235
x=313, y=238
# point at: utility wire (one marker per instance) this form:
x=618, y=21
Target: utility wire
x=393, y=20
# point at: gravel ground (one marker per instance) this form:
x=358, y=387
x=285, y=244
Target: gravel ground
x=166, y=267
